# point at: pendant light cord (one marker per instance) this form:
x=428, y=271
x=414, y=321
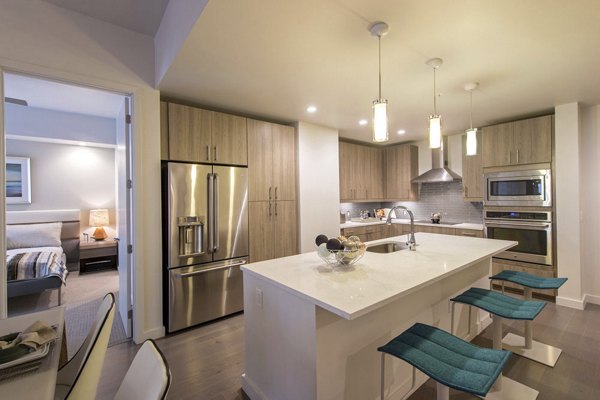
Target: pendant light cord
x=379, y=39
x=471, y=110
x=434, y=95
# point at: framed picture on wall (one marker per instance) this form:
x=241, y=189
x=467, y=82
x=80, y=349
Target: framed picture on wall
x=18, y=180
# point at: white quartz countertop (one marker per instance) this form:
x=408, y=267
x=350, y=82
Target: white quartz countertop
x=376, y=279
x=466, y=225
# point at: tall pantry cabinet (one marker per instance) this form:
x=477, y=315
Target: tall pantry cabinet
x=272, y=202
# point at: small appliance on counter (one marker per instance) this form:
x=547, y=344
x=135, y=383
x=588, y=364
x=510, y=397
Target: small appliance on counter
x=436, y=217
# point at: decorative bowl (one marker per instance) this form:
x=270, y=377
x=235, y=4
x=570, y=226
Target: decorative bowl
x=341, y=258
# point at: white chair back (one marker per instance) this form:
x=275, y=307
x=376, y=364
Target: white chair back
x=148, y=377
x=79, y=378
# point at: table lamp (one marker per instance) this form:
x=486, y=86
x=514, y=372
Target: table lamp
x=99, y=218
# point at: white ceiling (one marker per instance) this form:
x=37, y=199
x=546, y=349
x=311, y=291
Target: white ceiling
x=58, y=96
x=141, y=16
x=273, y=58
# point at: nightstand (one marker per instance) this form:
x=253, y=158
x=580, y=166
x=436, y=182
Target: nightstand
x=98, y=255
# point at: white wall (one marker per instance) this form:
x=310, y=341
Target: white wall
x=41, y=39
x=40, y=122
x=590, y=201
x=567, y=203
x=68, y=177
x=318, y=183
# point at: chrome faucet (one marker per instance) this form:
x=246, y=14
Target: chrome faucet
x=412, y=243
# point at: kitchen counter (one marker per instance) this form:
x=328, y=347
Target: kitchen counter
x=465, y=225
x=312, y=332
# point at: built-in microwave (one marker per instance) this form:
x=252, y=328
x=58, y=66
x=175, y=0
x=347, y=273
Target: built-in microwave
x=530, y=188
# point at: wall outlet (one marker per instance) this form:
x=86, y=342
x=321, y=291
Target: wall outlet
x=259, y=298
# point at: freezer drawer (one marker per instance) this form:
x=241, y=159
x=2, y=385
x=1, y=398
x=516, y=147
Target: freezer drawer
x=204, y=292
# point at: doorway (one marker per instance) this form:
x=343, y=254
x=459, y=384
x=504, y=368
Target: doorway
x=74, y=143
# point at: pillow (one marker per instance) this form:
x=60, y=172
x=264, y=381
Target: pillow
x=33, y=235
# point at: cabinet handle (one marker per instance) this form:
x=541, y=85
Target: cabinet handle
x=466, y=191
x=275, y=209
x=469, y=234
x=517, y=156
x=269, y=209
x=216, y=154
x=275, y=199
x=207, y=153
x=509, y=158
x=269, y=193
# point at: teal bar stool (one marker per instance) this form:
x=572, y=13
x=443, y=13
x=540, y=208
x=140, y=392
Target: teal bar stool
x=502, y=306
x=450, y=361
x=525, y=345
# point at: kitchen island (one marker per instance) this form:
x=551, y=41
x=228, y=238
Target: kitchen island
x=312, y=332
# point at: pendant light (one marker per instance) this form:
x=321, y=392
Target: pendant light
x=380, y=118
x=471, y=132
x=435, y=120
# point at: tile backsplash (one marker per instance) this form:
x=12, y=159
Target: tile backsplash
x=443, y=197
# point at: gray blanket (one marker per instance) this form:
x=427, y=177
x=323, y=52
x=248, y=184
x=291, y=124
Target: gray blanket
x=32, y=265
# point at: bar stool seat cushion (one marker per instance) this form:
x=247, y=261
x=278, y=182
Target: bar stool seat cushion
x=531, y=281
x=447, y=359
x=500, y=304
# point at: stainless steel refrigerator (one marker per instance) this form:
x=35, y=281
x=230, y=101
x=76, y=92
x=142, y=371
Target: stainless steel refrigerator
x=205, y=240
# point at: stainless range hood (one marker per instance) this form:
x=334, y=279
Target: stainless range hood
x=439, y=171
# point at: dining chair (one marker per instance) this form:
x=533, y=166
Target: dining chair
x=148, y=377
x=78, y=378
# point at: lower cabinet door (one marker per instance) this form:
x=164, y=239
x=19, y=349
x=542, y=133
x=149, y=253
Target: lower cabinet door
x=285, y=238
x=261, y=219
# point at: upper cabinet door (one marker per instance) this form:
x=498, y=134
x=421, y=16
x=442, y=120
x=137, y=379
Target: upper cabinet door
x=229, y=139
x=401, y=166
x=164, y=131
x=284, y=162
x=375, y=177
x=189, y=133
x=260, y=161
x=533, y=140
x=498, y=145
x=472, y=171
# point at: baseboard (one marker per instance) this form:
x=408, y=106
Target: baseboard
x=571, y=303
x=251, y=389
x=593, y=299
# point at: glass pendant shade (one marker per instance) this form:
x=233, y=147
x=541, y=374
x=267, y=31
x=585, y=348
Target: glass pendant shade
x=472, y=141
x=380, y=121
x=435, y=131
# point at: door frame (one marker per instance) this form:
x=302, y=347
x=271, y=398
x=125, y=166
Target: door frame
x=126, y=91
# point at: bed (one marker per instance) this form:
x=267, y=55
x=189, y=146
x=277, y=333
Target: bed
x=42, y=246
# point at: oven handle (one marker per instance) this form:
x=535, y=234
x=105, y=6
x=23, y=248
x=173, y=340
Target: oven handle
x=538, y=226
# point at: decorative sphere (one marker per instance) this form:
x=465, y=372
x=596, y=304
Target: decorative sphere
x=321, y=239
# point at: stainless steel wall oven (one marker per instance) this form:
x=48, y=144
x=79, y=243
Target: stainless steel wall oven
x=532, y=229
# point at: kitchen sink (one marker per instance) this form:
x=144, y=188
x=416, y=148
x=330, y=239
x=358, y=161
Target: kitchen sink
x=387, y=247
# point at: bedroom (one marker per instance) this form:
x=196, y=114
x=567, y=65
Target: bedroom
x=65, y=148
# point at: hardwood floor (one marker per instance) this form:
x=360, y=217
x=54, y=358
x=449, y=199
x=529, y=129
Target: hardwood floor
x=207, y=362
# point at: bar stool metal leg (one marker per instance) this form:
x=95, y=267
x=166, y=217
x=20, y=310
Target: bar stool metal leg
x=527, y=347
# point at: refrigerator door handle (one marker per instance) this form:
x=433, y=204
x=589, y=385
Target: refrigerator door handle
x=216, y=213
x=211, y=214
x=205, y=270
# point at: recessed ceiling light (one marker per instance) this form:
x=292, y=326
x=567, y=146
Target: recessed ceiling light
x=401, y=131
x=363, y=122
x=311, y=109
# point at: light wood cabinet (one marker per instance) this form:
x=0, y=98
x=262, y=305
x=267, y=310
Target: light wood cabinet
x=443, y=230
x=499, y=265
x=515, y=143
x=164, y=131
x=273, y=229
x=472, y=172
x=197, y=135
x=271, y=161
x=361, y=172
x=469, y=232
x=189, y=133
x=401, y=167
x=229, y=139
